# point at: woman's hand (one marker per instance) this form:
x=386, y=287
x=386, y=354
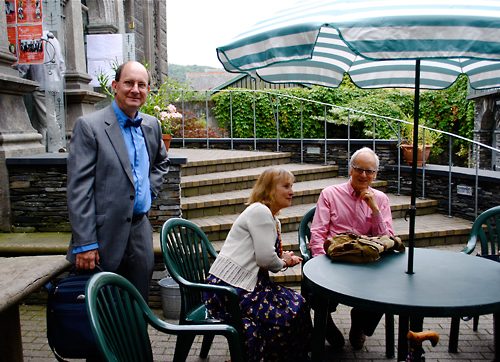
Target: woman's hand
x=289, y=259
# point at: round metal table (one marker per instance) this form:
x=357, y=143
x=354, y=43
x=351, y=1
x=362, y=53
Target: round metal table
x=444, y=284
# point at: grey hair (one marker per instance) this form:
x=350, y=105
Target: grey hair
x=364, y=149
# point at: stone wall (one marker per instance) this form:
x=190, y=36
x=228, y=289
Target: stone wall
x=313, y=149
x=38, y=190
x=38, y=195
x=436, y=177
x=437, y=187
x=38, y=198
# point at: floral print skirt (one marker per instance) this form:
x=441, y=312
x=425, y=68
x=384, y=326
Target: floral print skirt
x=276, y=320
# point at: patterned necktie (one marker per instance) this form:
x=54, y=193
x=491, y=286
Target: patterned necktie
x=130, y=123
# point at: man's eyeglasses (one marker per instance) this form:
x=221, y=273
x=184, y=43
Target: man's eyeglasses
x=128, y=84
x=360, y=170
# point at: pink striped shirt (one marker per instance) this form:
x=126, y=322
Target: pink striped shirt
x=339, y=211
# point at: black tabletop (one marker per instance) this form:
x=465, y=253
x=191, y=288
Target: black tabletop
x=444, y=284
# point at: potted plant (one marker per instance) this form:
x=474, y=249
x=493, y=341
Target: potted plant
x=407, y=142
x=165, y=117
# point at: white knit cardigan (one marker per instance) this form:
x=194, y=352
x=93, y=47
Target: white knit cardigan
x=248, y=247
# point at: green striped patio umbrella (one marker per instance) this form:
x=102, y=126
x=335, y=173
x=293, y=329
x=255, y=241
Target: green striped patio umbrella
x=421, y=44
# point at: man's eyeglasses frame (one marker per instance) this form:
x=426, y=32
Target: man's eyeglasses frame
x=359, y=170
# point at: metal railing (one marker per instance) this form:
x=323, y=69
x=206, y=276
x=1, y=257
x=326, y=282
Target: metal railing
x=473, y=159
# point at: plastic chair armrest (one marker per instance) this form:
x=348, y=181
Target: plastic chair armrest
x=471, y=245
x=234, y=340
x=303, y=250
x=230, y=292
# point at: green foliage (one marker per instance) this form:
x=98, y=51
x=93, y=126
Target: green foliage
x=407, y=134
x=269, y=108
x=449, y=110
x=446, y=110
x=104, y=79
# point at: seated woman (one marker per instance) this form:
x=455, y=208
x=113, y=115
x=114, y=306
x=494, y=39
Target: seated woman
x=276, y=320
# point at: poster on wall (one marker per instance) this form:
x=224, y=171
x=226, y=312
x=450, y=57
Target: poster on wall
x=10, y=12
x=28, y=11
x=12, y=37
x=30, y=45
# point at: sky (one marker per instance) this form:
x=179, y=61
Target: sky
x=195, y=28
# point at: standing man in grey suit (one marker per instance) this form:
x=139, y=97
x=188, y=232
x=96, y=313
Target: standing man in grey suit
x=116, y=166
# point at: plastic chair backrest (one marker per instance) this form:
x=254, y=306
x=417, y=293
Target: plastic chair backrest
x=305, y=234
x=187, y=254
x=489, y=243
x=117, y=316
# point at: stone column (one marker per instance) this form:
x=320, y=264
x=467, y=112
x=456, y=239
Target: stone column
x=80, y=96
x=17, y=136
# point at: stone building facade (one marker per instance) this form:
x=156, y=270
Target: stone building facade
x=487, y=127
x=145, y=18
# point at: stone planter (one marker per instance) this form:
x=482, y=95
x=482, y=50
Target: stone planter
x=408, y=153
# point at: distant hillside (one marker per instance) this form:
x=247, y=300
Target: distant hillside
x=179, y=71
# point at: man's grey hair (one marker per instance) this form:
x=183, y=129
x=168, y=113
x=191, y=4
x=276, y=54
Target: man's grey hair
x=364, y=149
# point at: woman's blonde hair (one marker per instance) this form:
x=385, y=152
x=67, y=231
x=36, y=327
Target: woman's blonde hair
x=264, y=189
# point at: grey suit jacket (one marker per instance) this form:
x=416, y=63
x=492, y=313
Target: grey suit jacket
x=100, y=188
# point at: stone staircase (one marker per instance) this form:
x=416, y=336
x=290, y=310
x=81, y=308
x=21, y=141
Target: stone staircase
x=215, y=190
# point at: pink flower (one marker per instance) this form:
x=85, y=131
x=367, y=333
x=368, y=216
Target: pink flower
x=157, y=108
x=171, y=108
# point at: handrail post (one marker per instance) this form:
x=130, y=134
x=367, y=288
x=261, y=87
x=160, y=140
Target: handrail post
x=254, y=125
x=424, y=151
x=206, y=111
x=231, y=115
x=325, y=136
x=373, y=135
x=449, y=177
x=277, y=123
x=477, y=181
x=183, y=125
x=348, y=139
x=399, y=159
x=301, y=132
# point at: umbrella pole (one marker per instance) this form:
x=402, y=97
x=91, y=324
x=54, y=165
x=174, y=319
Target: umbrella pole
x=413, y=209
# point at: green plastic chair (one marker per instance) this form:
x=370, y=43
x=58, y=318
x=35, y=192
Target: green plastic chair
x=119, y=319
x=188, y=254
x=489, y=246
x=304, y=239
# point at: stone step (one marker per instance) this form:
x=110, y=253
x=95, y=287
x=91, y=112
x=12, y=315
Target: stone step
x=234, y=202
x=236, y=160
x=206, y=184
x=217, y=227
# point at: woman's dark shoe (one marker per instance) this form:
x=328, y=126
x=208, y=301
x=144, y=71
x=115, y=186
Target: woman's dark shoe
x=356, y=336
x=333, y=335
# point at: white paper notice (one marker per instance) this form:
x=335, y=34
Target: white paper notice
x=103, y=52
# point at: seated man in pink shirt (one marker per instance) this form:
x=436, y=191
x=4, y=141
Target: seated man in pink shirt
x=352, y=207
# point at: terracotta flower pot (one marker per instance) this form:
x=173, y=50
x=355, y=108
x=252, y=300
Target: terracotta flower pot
x=166, y=139
x=408, y=153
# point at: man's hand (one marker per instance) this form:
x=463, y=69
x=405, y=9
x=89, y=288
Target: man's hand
x=87, y=259
x=369, y=198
